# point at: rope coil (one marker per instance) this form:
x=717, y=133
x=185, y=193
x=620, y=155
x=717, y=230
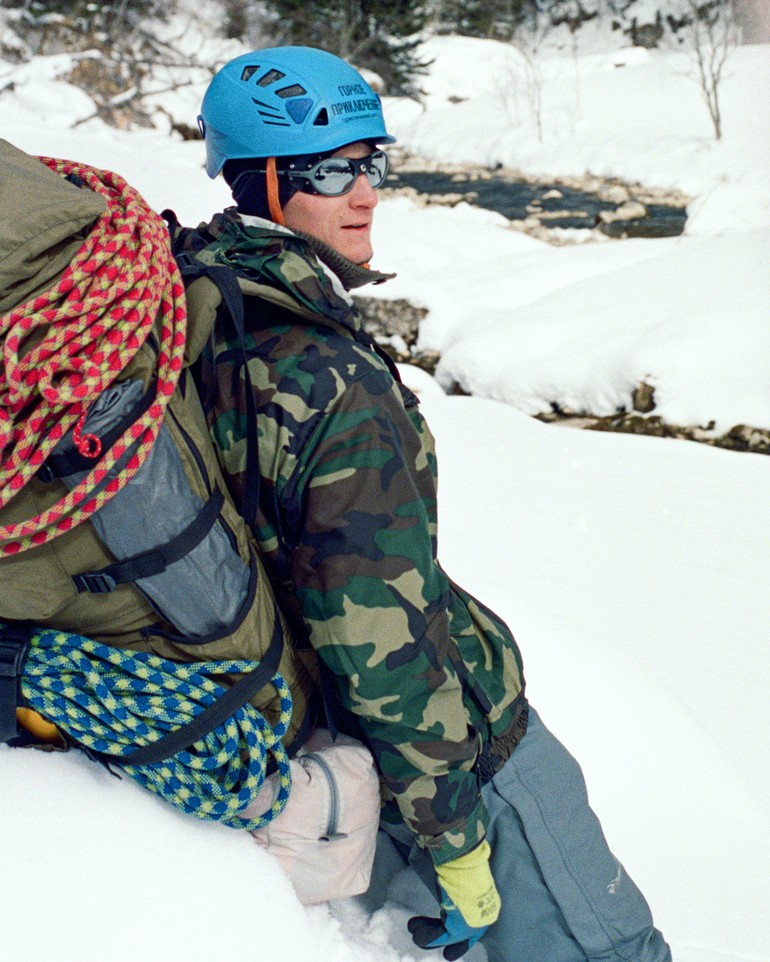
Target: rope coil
x=112, y=701
x=85, y=330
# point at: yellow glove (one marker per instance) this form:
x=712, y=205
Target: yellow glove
x=470, y=903
x=468, y=882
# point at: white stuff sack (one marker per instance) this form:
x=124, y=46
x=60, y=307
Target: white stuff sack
x=326, y=835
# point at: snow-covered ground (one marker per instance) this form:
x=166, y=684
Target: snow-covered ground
x=634, y=571
x=582, y=326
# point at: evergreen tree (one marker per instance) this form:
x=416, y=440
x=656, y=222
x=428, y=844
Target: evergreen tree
x=371, y=34
x=491, y=19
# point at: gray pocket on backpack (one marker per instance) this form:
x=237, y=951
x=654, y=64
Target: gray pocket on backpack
x=170, y=543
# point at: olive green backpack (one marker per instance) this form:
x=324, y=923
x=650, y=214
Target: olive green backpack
x=167, y=565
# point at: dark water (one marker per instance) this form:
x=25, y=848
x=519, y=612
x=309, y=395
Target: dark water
x=511, y=198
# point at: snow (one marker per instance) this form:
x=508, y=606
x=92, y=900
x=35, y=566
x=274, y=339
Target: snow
x=588, y=344
x=582, y=327
x=633, y=570
x=661, y=134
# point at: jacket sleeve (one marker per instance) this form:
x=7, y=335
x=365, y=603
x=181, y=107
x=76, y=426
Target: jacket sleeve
x=377, y=606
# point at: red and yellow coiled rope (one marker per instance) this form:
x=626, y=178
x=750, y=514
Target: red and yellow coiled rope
x=84, y=331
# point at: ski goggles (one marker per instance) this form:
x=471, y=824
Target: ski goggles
x=335, y=176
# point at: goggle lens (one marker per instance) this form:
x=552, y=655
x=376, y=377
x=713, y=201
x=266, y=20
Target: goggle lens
x=334, y=176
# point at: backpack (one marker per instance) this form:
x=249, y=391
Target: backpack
x=165, y=564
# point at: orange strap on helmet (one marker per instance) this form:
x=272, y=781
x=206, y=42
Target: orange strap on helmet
x=273, y=200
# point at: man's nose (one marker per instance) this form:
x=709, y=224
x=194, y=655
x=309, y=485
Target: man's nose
x=363, y=194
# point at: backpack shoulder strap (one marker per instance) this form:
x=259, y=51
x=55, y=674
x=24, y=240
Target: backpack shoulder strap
x=202, y=313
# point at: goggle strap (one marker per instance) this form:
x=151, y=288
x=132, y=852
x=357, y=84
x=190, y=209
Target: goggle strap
x=273, y=200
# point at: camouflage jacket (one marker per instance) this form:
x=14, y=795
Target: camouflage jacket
x=348, y=530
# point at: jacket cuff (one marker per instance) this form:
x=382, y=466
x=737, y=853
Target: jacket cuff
x=459, y=840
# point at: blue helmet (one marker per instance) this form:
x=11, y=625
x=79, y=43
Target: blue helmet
x=284, y=101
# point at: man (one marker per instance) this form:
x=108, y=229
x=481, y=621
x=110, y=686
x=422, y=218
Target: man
x=343, y=503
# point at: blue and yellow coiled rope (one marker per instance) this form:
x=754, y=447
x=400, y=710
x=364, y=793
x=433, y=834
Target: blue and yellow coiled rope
x=113, y=701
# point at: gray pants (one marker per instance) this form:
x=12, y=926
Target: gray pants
x=566, y=898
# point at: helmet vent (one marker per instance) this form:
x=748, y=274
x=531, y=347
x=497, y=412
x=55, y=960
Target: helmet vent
x=248, y=72
x=271, y=115
x=270, y=78
x=296, y=90
x=322, y=120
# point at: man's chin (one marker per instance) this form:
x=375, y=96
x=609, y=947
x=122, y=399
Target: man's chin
x=361, y=254
x=356, y=249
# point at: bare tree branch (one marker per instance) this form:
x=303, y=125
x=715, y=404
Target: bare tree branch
x=712, y=35
x=129, y=96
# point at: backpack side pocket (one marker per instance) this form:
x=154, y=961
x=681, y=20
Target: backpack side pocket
x=168, y=539
x=326, y=836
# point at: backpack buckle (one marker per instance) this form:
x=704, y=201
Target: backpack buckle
x=95, y=583
x=189, y=265
x=14, y=648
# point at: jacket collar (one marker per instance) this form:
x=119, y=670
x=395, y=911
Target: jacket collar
x=351, y=275
x=310, y=271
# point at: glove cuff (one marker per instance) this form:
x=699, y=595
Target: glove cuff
x=468, y=882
